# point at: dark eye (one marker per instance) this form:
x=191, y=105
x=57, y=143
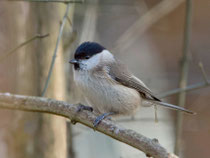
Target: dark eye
x=87, y=57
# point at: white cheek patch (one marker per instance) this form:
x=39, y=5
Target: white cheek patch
x=103, y=57
x=107, y=56
x=90, y=63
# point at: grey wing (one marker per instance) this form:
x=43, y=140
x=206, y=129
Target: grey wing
x=120, y=73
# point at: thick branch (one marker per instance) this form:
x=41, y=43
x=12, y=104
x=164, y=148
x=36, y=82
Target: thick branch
x=39, y=104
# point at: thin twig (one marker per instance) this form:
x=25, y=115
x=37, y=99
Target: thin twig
x=142, y=24
x=136, y=119
x=56, y=49
x=21, y=45
x=184, y=73
x=200, y=64
x=186, y=89
x=174, y=92
x=156, y=116
x=189, y=88
x=39, y=104
x=69, y=20
x=47, y=1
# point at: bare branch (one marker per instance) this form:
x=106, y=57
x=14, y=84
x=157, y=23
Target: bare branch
x=22, y=44
x=39, y=104
x=191, y=87
x=184, y=73
x=69, y=20
x=156, y=116
x=47, y=1
x=186, y=89
x=56, y=49
x=145, y=22
x=200, y=64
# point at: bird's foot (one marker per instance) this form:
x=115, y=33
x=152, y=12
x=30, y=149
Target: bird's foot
x=101, y=117
x=83, y=107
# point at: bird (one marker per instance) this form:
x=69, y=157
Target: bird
x=108, y=86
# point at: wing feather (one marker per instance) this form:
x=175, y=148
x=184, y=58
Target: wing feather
x=120, y=73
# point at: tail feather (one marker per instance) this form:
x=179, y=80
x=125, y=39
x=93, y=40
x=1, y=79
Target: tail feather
x=174, y=107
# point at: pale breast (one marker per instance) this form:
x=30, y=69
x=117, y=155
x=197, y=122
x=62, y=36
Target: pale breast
x=105, y=96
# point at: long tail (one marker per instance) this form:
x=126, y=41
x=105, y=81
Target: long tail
x=171, y=106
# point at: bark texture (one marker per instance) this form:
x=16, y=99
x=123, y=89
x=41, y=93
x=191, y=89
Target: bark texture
x=150, y=147
x=39, y=135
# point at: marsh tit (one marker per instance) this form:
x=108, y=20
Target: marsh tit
x=107, y=84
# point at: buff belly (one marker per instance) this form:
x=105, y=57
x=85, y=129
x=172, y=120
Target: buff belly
x=105, y=97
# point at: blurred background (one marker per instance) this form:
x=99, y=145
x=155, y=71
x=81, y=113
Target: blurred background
x=163, y=42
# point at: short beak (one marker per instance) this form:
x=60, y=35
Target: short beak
x=73, y=61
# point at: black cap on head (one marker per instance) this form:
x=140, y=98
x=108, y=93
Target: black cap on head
x=87, y=50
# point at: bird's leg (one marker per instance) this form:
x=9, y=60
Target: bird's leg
x=101, y=117
x=83, y=107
